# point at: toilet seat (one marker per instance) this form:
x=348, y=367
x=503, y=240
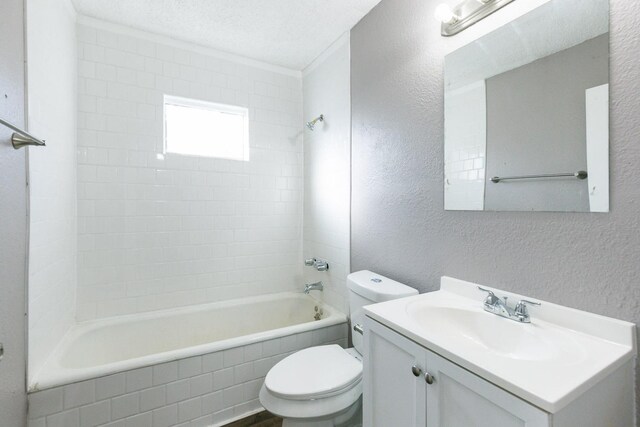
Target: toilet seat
x=315, y=382
x=314, y=373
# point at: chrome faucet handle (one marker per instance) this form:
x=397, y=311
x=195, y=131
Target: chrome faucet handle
x=521, y=308
x=491, y=298
x=318, y=264
x=523, y=304
x=321, y=265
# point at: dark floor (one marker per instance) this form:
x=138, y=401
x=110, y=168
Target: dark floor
x=262, y=419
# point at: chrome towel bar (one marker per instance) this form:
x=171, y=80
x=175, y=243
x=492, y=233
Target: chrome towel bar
x=579, y=175
x=22, y=138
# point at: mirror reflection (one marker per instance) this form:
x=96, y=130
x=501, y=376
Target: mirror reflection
x=527, y=114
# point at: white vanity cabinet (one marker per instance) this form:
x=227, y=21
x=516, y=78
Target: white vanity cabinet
x=460, y=398
x=396, y=392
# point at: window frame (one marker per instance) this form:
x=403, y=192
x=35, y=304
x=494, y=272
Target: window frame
x=210, y=106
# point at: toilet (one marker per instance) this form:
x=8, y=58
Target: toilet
x=322, y=386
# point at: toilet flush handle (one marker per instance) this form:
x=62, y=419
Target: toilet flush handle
x=358, y=328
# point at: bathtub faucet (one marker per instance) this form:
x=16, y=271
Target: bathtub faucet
x=318, y=286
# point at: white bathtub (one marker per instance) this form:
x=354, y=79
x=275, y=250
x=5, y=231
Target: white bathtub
x=107, y=346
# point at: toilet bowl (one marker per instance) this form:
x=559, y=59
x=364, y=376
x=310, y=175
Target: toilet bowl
x=318, y=386
x=322, y=386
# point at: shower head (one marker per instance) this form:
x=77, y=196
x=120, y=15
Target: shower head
x=312, y=124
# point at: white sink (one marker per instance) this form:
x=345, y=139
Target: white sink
x=497, y=335
x=548, y=362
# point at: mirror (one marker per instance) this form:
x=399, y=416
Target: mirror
x=527, y=113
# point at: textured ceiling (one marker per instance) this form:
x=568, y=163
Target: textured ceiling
x=290, y=33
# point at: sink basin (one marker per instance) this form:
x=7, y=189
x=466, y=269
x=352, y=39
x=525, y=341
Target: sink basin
x=502, y=337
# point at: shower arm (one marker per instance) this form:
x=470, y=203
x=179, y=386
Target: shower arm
x=312, y=124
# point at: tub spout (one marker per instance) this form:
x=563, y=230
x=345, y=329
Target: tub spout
x=318, y=286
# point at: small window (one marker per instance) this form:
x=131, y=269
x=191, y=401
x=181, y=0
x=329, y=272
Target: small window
x=198, y=128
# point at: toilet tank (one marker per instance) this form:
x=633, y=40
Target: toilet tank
x=365, y=288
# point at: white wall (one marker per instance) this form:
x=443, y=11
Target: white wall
x=52, y=94
x=465, y=147
x=597, y=121
x=157, y=232
x=13, y=209
x=327, y=162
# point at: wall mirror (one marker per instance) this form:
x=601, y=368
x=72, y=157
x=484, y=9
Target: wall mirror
x=527, y=113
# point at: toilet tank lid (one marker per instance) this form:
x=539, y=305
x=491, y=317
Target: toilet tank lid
x=377, y=288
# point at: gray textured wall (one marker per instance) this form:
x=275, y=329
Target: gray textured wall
x=399, y=226
x=536, y=123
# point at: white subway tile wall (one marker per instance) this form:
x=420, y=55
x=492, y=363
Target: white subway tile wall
x=160, y=230
x=327, y=182
x=196, y=392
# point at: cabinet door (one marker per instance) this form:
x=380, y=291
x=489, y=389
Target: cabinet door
x=393, y=391
x=459, y=398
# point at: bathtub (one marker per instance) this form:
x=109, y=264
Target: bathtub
x=103, y=347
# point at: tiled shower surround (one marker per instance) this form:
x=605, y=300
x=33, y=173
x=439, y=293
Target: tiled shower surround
x=208, y=390
x=327, y=169
x=160, y=230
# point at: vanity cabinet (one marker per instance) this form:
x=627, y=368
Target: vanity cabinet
x=460, y=398
x=408, y=385
x=394, y=390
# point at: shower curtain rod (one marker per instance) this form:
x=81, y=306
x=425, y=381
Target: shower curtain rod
x=21, y=137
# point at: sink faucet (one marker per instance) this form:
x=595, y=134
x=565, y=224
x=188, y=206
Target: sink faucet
x=318, y=286
x=495, y=305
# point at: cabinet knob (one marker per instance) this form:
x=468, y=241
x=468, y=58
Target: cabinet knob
x=416, y=371
x=429, y=378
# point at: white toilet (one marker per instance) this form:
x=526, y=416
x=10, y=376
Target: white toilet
x=322, y=386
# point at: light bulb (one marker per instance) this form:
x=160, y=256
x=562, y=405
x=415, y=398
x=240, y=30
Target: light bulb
x=444, y=14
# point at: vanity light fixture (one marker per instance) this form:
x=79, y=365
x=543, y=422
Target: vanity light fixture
x=445, y=15
x=466, y=14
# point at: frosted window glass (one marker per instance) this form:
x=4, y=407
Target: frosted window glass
x=196, y=128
